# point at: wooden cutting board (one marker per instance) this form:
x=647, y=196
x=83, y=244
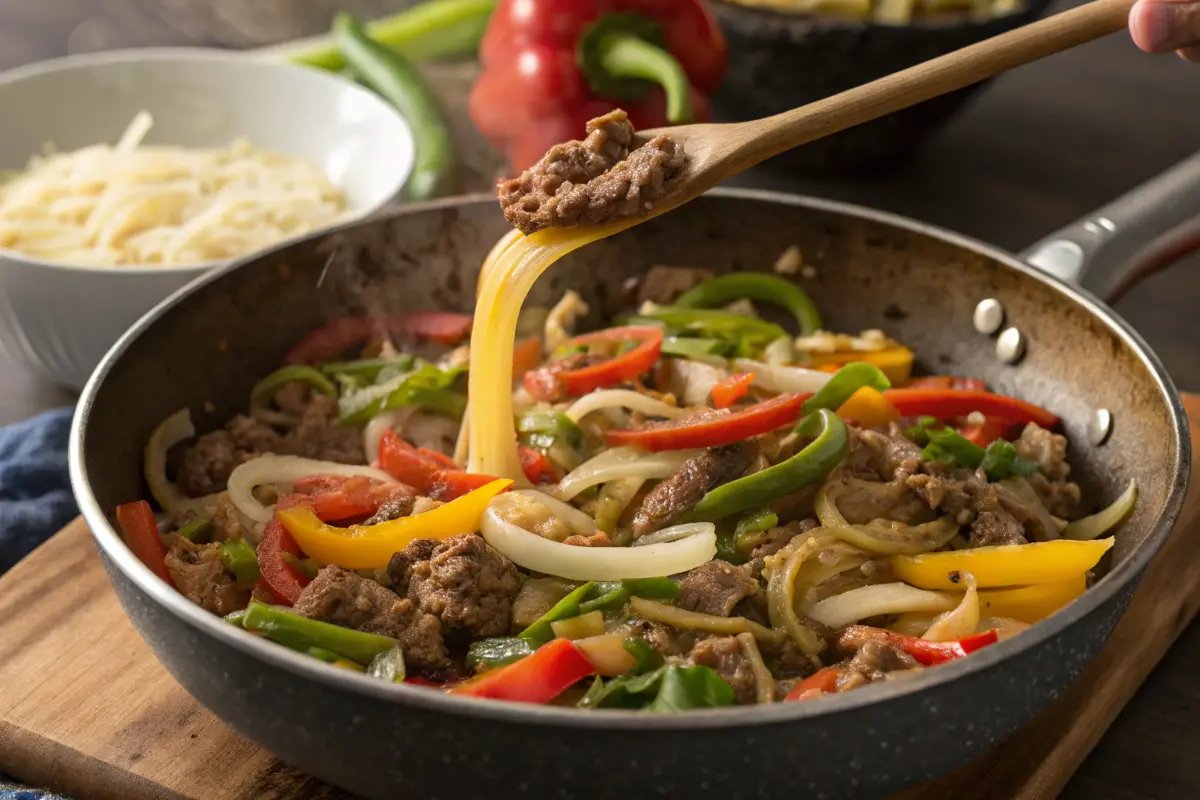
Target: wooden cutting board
x=86, y=710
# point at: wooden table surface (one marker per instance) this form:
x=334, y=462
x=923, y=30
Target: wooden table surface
x=1041, y=147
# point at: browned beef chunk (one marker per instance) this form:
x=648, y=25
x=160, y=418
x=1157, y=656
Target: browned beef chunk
x=319, y=435
x=863, y=501
x=392, y=509
x=293, y=397
x=678, y=494
x=725, y=656
x=468, y=585
x=971, y=500
x=663, y=284
x=207, y=463
x=715, y=588
x=200, y=576
x=599, y=179
x=874, y=661
x=1060, y=496
x=346, y=598
x=662, y=638
x=777, y=539
x=890, y=455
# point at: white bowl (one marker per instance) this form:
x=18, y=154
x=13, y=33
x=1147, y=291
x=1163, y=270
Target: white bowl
x=59, y=319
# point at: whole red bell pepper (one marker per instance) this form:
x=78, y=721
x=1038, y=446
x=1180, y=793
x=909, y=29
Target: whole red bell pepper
x=551, y=65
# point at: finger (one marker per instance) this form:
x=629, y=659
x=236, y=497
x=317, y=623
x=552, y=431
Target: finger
x=1160, y=26
x=1191, y=54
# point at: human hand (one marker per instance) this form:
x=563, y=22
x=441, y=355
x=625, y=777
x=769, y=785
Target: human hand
x=1160, y=26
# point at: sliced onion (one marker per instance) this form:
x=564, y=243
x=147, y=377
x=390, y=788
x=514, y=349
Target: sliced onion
x=781, y=589
x=170, y=432
x=1018, y=489
x=428, y=430
x=607, y=654
x=270, y=468
x=779, y=379
x=623, y=398
x=695, y=621
x=1005, y=627
x=580, y=522
x=884, y=598
x=764, y=681
x=690, y=380
x=780, y=351
x=388, y=420
x=1102, y=521
x=960, y=622
x=675, y=533
x=881, y=537
x=622, y=462
x=535, y=553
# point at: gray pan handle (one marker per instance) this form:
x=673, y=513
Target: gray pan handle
x=1142, y=231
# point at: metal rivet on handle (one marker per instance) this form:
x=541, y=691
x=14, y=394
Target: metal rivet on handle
x=1099, y=426
x=989, y=316
x=1010, y=346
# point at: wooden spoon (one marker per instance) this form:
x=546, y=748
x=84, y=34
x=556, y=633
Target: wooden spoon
x=715, y=152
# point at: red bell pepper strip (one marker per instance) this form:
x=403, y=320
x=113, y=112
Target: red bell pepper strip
x=563, y=379
x=538, y=469
x=822, y=682
x=332, y=339
x=732, y=389
x=276, y=575
x=986, y=432
x=551, y=65
x=536, y=678
x=926, y=653
x=140, y=532
x=712, y=430
x=425, y=472
x=954, y=403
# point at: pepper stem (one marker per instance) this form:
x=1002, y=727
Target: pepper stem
x=622, y=54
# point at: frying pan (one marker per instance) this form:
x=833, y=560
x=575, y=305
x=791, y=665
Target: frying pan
x=208, y=344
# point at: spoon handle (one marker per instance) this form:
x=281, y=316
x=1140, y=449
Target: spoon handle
x=761, y=139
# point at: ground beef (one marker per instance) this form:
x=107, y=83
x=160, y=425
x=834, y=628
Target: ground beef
x=593, y=181
x=392, y=509
x=346, y=598
x=874, y=661
x=207, y=463
x=725, y=656
x=1060, y=496
x=199, y=575
x=319, y=435
x=971, y=500
x=400, y=566
x=226, y=521
x=678, y=494
x=715, y=588
x=661, y=637
x=465, y=583
x=663, y=284
x=293, y=397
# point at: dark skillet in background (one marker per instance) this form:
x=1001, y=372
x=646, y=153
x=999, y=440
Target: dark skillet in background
x=208, y=344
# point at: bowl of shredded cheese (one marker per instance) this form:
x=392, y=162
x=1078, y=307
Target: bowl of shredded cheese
x=124, y=175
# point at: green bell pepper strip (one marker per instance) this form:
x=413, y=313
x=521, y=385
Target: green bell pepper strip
x=844, y=383
x=497, y=652
x=300, y=633
x=999, y=459
x=195, y=528
x=539, y=632
x=685, y=347
x=615, y=594
x=427, y=387
x=760, y=286
x=236, y=618
x=751, y=529
x=715, y=323
x=919, y=433
x=264, y=391
x=427, y=31
x=830, y=442
x=240, y=559
x=388, y=666
x=553, y=424
x=394, y=78
x=328, y=656
x=366, y=370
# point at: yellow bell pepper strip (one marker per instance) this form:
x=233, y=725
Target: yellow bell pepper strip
x=372, y=546
x=869, y=408
x=1005, y=565
x=1031, y=603
x=896, y=361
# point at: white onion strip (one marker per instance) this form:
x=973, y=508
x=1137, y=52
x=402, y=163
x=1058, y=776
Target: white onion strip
x=170, y=432
x=780, y=379
x=574, y=563
x=843, y=609
x=675, y=533
x=387, y=420
x=623, y=398
x=1100, y=522
x=269, y=468
x=621, y=462
x=962, y=621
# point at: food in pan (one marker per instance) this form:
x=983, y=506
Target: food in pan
x=890, y=12
x=131, y=204
x=708, y=501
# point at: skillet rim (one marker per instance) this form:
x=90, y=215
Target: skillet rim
x=111, y=545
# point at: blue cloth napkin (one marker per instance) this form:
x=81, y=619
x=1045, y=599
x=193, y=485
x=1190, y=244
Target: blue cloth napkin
x=35, y=502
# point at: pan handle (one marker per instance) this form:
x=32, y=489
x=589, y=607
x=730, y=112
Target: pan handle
x=1144, y=230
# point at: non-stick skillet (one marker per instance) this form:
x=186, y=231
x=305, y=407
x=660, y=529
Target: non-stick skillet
x=963, y=306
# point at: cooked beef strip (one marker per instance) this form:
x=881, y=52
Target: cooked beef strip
x=777, y=539
x=663, y=284
x=890, y=456
x=346, y=598
x=207, y=463
x=678, y=494
x=199, y=575
x=597, y=180
x=874, y=661
x=662, y=638
x=971, y=500
x=715, y=588
x=319, y=435
x=467, y=584
x=1060, y=495
x=392, y=509
x=725, y=656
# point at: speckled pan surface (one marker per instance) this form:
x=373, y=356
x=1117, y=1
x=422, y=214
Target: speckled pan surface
x=207, y=345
